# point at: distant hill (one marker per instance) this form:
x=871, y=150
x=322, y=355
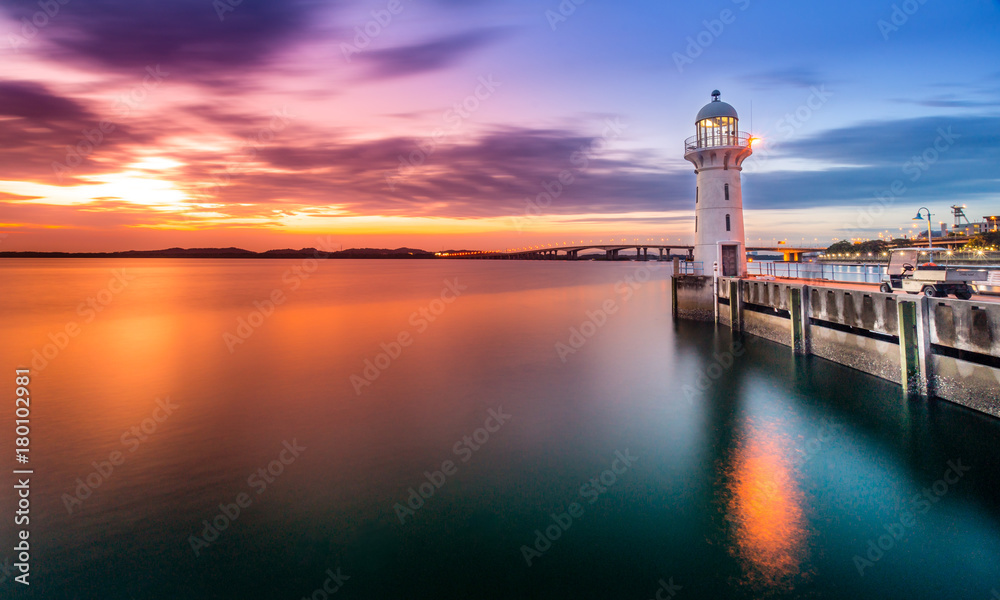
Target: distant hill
x=231, y=253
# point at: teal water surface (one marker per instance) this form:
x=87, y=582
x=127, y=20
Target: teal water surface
x=464, y=429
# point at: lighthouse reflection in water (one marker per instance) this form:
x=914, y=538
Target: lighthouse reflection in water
x=765, y=508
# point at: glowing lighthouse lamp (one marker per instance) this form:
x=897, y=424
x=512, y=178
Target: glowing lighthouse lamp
x=717, y=151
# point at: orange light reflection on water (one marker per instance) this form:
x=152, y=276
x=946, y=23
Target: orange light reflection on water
x=766, y=509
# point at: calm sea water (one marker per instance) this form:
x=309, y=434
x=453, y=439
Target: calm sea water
x=398, y=429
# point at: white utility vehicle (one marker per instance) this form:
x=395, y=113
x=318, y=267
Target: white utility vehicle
x=914, y=271
x=991, y=285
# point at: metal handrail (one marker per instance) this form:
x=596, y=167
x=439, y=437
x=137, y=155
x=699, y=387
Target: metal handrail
x=691, y=268
x=739, y=140
x=957, y=257
x=867, y=273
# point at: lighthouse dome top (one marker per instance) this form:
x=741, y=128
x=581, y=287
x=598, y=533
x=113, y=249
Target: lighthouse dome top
x=716, y=108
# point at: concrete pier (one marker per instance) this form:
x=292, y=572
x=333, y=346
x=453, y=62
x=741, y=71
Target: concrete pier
x=693, y=297
x=931, y=346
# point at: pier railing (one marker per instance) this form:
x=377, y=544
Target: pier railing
x=691, y=268
x=859, y=273
x=942, y=258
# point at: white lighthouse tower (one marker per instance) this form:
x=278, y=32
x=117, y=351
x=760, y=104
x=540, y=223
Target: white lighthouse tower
x=717, y=151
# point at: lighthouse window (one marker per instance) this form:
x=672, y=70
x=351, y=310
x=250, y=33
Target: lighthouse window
x=696, y=224
x=727, y=191
x=727, y=129
x=727, y=222
x=696, y=195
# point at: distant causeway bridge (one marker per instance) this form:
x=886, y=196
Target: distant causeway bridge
x=611, y=252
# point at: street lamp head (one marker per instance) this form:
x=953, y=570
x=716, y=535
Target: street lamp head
x=918, y=217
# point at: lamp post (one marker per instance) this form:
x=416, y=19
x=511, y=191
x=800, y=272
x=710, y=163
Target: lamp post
x=919, y=218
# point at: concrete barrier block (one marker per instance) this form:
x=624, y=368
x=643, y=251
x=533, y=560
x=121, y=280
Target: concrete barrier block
x=965, y=325
x=875, y=357
x=971, y=385
x=693, y=297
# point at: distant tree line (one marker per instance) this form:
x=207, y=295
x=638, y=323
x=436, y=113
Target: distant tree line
x=845, y=247
x=985, y=240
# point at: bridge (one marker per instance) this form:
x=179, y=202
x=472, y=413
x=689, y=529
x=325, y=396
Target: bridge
x=664, y=251
x=566, y=252
x=612, y=252
x=790, y=253
x=950, y=242
x=794, y=254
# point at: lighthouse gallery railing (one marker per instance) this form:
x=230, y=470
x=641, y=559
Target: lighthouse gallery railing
x=695, y=142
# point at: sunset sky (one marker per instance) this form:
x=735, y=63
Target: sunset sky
x=134, y=124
